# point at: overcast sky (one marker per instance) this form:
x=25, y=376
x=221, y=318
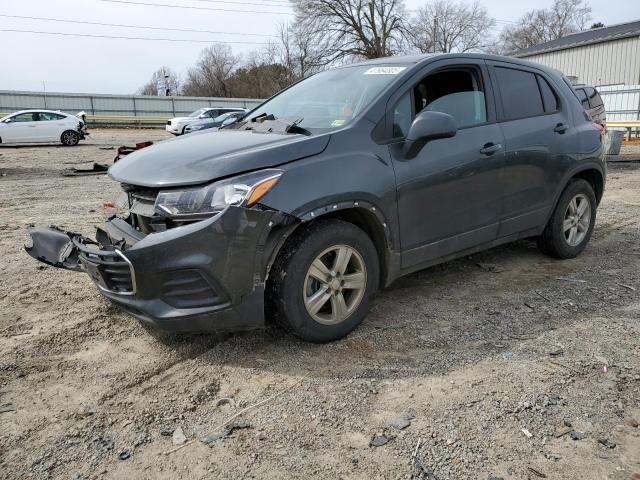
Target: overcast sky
x=105, y=65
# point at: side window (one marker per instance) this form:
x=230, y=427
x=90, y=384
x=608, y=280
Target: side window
x=402, y=116
x=520, y=93
x=47, y=116
x=582, y=96
x=594, y=97
x=26, y=117
x=549, y=99
x=456, y=92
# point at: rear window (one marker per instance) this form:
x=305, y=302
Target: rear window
x=594, y=97
x=520, y=94
x=582, y=96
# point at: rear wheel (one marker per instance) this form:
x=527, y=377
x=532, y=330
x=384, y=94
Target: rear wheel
x=323, y=281
x=571, y=225
x=70, y=138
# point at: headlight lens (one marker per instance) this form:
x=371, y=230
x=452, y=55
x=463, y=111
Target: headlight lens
x=212, y=199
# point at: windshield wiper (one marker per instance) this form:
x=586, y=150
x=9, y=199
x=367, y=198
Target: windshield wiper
x=268, y=123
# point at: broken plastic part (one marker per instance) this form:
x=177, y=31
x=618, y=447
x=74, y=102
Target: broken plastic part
x=54, y=247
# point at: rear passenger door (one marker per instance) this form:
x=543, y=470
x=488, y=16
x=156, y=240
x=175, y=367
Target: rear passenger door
x=535, y=127
x=50, y=127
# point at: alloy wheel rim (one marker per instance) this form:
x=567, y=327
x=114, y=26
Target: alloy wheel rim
x=577, y=220
x=69, y=138
x=335, y=284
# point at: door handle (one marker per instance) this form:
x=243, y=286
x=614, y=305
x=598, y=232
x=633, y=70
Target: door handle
x=561, y=128
x=490, y=148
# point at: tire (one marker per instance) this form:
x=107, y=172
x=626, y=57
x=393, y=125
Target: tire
x=293, y=284
x=70, y=138
x=183, y=130
x=568, y=240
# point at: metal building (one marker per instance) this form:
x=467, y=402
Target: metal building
x=601, y=56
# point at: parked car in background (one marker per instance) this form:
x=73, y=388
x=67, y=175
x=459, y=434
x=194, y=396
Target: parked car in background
x=225, y=118
x=336, y=187
x=42, y=126
x=592, y=103
x=178, y=125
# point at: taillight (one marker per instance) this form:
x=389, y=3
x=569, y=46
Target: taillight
x=600, y=129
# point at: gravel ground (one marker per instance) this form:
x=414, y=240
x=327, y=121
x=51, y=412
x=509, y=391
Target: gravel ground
x=506, y=364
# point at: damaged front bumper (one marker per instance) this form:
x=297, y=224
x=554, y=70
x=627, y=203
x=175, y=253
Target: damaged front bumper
x=202, y=277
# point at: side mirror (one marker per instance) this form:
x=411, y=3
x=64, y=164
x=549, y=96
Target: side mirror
x=428, y=126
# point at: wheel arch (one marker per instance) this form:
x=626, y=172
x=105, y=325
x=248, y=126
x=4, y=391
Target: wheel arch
x=592, y=172
x=362, y=214
x=595, y=179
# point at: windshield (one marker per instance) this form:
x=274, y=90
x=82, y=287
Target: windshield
x=333, y=98
x=220, y=118
x=197, y=113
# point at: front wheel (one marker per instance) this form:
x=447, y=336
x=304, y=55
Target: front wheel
x=571, y=225
x=322, y=284
x=70, y=138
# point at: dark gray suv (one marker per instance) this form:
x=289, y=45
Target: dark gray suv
x=336, y=187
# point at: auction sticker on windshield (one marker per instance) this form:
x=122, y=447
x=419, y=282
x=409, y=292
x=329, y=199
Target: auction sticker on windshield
x=384, y=70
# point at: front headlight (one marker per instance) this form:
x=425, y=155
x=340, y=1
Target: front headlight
x=211, y=199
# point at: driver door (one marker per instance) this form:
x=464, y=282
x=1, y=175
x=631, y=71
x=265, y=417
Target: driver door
x=449, y=195
x=21, y=128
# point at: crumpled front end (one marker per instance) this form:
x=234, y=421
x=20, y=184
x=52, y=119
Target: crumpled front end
x=201, y=276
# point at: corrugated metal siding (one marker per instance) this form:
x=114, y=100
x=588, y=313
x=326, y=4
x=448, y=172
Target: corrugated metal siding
x=96, y=104
x=607, y=63
x=622, y=102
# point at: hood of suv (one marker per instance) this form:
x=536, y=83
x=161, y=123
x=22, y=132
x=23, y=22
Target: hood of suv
x=202, y=157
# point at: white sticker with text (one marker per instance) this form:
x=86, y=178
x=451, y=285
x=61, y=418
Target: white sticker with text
x=384, y=70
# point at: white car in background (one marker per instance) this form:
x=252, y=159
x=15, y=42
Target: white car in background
x=177, y=125
x=42, y=126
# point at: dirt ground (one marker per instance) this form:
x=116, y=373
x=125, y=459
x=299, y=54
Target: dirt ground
x=506, y=364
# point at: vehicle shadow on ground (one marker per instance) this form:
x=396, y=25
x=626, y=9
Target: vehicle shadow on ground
x=432, y=321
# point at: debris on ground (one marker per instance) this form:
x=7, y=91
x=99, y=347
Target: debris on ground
x=575, y=435
x=212, y=437
x=8, y=407
x=124, y=455
x=378, y=440
x=178, y=437
x=536, y=472
x=97, y=169
x=399, y=423
x=606, y=443
x=631, y=422
x=124, y=150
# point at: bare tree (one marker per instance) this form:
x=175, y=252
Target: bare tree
x=543, y=25
x=211, y=76
x=352, y=28
x=448, y=26
x=163, y=82
x=297, y=52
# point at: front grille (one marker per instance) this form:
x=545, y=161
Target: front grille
x=169, y=122
x=110, y=270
